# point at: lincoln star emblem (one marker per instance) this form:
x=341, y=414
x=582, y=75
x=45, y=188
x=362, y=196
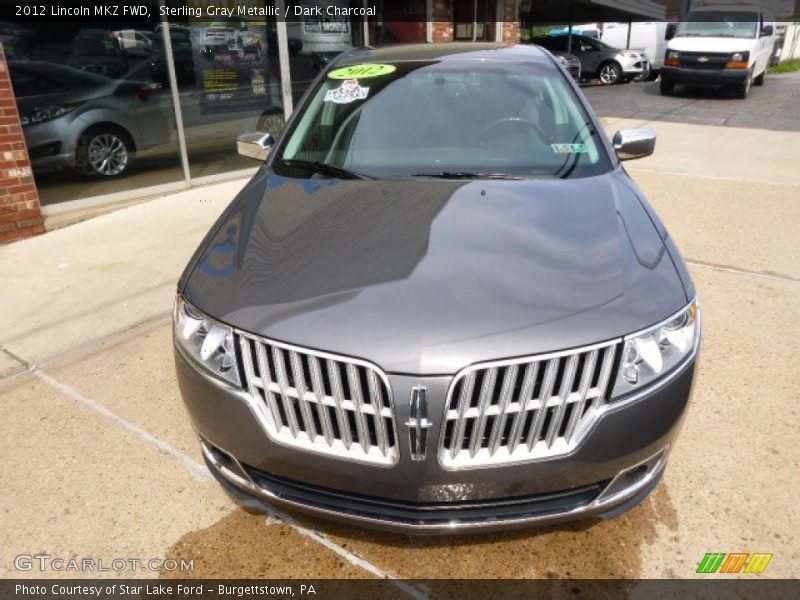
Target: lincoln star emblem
x=418, y=422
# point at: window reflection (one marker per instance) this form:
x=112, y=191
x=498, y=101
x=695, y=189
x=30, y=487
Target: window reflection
x=95, y=119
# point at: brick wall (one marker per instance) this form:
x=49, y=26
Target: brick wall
x=442, y=21
x=510, y=18
x=20, y=214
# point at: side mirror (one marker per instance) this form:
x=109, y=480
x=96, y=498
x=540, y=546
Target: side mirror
x=767, y=30
x=634, y=143
x=254, y=144
x=670, y=32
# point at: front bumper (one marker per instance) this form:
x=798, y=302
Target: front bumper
x=634, y=66
x=703, y=77
x=613, y=469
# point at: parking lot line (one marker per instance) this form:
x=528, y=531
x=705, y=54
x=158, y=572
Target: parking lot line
x=201, y=474
x=634, y=170
x=745, y=272
x=196, y=469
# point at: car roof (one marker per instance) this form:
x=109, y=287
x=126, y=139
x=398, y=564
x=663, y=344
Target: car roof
x=453, y=51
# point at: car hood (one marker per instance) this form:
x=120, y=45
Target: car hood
x=428, y=276
x=710, y=44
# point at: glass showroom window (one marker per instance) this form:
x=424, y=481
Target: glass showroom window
x=229, y=77
x=96, y=116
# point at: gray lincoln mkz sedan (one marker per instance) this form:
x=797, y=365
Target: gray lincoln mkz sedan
x=441, y=304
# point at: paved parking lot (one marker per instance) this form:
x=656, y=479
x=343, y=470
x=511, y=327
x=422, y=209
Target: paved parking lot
x=100, y=460
x=772, y=106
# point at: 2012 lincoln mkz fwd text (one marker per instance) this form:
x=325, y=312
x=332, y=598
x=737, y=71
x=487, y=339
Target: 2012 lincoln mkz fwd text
x=441, y=304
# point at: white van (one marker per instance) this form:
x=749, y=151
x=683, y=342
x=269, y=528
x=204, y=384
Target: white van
x=720, y=45
x=648, y=37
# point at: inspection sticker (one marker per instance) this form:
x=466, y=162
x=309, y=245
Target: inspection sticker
x=361, y=71
x=346, y=93
x=569, y=148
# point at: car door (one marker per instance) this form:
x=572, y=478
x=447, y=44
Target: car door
x=766, y=45
x=589, y=53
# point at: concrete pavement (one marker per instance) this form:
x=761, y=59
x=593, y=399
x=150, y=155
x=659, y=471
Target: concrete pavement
x=101, y=460
x=771, y=106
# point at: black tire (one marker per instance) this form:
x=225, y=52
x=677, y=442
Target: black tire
x=760, y=79
x=103, y=151
x=666, y=87
x=610, y=73
x=743, y=89
x=653, y=76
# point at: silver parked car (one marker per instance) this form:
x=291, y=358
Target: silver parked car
x=608, y=64
x=85, y=121
x=441, y=304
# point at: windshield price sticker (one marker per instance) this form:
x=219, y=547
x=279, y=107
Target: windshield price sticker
x=569, y=148
x=346, y=93
x=361, y=71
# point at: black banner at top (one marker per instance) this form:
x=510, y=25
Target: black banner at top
x=378, y=11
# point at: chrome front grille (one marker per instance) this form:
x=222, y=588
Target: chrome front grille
x=524, y=409
x=320, y=402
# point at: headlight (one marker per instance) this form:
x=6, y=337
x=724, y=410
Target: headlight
x=740, y=57
x=673, y=55
x=648, y=355
x=40, y=114
x=205, y=340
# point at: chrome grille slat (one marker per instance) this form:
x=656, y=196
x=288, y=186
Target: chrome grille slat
x=320, y=402
x=487, y=387
x=305, y=410
x=377, y=396
x=283, y=387
x=563, y=396
x=524, y=409
x=355, y=391
x=531, y=371
x=263, y=369
x=338, y=397
x=509, y=380
x=319, y=397
x=463, y=401
x=544, y=397
x=583, y=390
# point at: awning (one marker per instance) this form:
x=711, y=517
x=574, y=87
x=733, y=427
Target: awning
x=585, y=11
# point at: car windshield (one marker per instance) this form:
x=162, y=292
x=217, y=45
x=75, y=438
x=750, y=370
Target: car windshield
x=460, y=118
x=716, y=23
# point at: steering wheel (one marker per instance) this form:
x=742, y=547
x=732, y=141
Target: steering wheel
x=496, y=128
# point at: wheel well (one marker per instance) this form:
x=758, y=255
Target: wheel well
x=609, y=61
x=113, y=128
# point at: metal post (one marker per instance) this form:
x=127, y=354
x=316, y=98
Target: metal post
x=569, y=39
x=569, y=31
x=474, y=20
x=176, y=104
x=630, y=25
x=283, y=60
x=429, y=21
x=365, y=28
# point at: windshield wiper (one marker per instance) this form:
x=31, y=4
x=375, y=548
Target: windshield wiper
x=325, y=168
x=466, y=175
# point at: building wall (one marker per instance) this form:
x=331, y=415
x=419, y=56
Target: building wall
x=442, y=16
x=510, y=18
x=442, y=21
x=20, y=214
